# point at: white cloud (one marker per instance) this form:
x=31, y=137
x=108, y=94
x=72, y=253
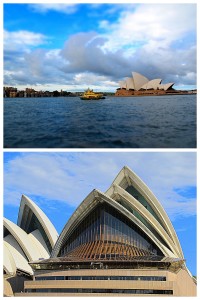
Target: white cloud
x=90, y=79
x=59, y=7
x=69, y=177
x=33, y=67
x=22, y=39
x=148, y=23
x=155, y=40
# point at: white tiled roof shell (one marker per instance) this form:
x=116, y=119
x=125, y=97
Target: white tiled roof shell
x=166, y=86
x=22, y=239
x=86, y=206
x=22, y=247
x=43, y=219
x=152, y=84
x=139, y=80
x=116, y=190
x=20, y=259
x=129, y=83
x=122, y=84
x=38, y=241
x=9, y=265
x=167, y=233
x=133, y=179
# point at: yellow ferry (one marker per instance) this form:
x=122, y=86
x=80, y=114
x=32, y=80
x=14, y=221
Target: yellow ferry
x=91, y=95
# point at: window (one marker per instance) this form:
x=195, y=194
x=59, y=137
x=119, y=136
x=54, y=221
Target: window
x=115, y=291
x=148, y=278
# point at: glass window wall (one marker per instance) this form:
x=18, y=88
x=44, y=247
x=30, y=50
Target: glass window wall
x=105, y=233
x=142, y=278
x=114, y=291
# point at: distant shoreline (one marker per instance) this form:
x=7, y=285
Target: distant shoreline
x=11, y=92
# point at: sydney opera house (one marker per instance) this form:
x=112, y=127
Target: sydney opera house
x=117, y=243
x=140, y=85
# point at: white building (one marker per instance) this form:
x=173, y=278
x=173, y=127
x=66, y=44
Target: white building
x=139, y=82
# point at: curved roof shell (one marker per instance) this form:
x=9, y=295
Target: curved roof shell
x=129, y=83
x=139, y=80
x=127, y=178
x=147, y=214
x=9, y=265
x=152, y=84
x=18, y=256
x=166, y=86
x=22, y=239
x=122, y=84
x=32, y=239
x=90, y=202
x=145, y=217
x=28, y=210
x=19, y=249
x=38, y=241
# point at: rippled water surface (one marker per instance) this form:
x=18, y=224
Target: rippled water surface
x=133, y=122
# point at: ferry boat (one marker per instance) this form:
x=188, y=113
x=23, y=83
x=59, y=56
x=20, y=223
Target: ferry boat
x=91, y=95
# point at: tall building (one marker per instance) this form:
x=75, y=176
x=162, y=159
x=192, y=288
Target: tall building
x=120, y=242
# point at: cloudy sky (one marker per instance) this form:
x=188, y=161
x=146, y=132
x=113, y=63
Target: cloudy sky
x=58, y=182
x=73, y=46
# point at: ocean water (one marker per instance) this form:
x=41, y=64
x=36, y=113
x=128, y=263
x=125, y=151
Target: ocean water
x=115, y=122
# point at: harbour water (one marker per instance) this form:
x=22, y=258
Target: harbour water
x=116, y=122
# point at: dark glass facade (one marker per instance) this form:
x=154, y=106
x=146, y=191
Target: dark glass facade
x=114, y=291
x=105, y=234
x=137, y=195
x=142, y=278
x=143, y=220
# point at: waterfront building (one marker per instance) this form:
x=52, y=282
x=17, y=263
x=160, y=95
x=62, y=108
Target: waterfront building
x=120, y=242
x=140, y=85
x=10, y=92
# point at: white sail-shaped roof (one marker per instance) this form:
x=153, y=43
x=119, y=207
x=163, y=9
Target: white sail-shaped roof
x=38, y=241
x=126, y=178
x=145, y=211
x=129, y=83
x=9, y=265
x=22, y=239
x=19, y=249
x=27, y=206
x=145, y=217
x=139, y=80
x=25, y=242
x=92, y=201
x=122, y=84
x=18, y=256
x=152, y=84
x=166, y=86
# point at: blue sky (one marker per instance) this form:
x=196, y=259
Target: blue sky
x=58, y=182
x=73, y=46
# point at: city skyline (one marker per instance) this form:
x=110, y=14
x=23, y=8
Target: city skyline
x=49, y=180
x=73, y=46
